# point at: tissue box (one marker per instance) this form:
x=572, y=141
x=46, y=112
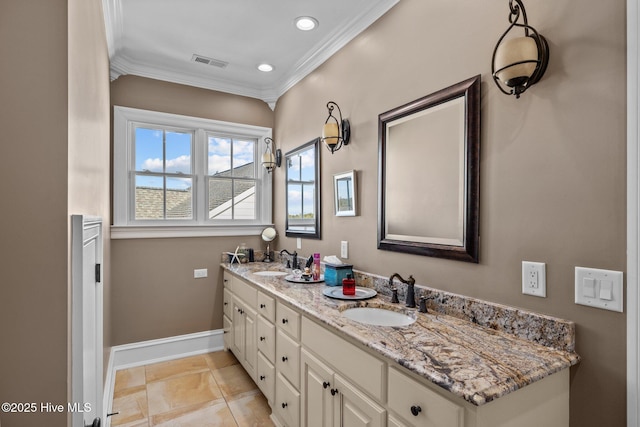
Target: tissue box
x=333, y=274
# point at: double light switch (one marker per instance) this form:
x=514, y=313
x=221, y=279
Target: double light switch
x=599, y=288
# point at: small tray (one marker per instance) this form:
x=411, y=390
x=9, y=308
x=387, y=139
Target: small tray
x=292, y=278
x=361, y=293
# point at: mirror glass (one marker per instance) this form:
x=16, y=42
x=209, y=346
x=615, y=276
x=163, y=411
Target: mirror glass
x=303, y=191
x=269, y=234
x=344, y=191
x=429, y=173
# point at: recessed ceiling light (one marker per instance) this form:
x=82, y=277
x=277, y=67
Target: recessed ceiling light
x=265, y=67
x=306, y=23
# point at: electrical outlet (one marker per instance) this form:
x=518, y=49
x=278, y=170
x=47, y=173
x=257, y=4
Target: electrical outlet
x=533, y=279
x=200, y=273
x=344, y=249
x=298, y=243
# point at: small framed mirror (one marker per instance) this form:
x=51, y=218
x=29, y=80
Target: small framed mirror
x=429, y=172
x=344, y=194
x=303, y=191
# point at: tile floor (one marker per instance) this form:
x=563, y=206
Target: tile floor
x=207, y=390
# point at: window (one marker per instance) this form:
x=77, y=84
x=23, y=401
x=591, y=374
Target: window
x=185, y=176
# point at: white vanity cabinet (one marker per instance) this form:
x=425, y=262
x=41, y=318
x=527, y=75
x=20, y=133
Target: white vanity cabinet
x=287, y=404
x=331, y=368
x=314, y=376
x=266, y=335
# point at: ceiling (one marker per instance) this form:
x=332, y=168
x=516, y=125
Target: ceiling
x=159, y=38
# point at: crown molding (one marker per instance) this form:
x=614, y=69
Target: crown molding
x=122, y=65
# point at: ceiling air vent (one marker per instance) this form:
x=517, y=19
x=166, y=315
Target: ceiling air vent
x=209, y=61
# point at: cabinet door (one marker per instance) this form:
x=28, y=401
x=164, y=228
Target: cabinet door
x=251, y=341
x=356, y=409
x=317, y=399
x=237, y=328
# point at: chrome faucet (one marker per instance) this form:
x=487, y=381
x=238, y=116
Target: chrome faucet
x=410, y=282
x=294, y=258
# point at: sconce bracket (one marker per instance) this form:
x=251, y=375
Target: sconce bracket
x=346, y=131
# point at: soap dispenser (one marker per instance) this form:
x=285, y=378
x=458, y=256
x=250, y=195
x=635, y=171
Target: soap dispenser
x=349, y=285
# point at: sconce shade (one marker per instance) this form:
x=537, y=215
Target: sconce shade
x=519, y=62
x=269, y=160
x=516, y=60
x=336, y=132
x=331, y=134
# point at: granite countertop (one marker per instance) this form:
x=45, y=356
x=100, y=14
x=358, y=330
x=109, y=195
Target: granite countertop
x=477, y=363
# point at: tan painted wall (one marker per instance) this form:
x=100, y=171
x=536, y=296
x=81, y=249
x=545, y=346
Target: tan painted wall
x=552, y=162
x=36, y=156
x=154, y=293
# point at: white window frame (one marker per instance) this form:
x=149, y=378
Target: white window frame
x=125, y=120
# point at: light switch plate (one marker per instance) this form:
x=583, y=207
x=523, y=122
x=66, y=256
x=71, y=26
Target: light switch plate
x=599, y=288
x=200, y=273
x=534, y=279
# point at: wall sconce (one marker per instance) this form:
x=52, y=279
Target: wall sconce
x=269, y=161
x=519, y=62
x=335, y=132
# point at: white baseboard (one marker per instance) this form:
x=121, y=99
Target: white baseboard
x=154, y=351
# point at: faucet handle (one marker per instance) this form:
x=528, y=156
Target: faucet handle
x=394, y=295
x=423, y=304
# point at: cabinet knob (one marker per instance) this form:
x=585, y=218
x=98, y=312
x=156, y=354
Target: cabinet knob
x=284, y=405
x=285, y=358
x=325, y=384
x=285, y=321
x=334, y=391
x=415, y=410
x=262, y=377
x=226, y=303
x=262, y=306
x=262, y=338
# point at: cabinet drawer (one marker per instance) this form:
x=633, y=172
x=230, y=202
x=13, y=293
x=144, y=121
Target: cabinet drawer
x=226, y=326
x=361, y=367
x=288, y=358
x=227, y=280
x=266, y=378
x=226, y=303
x=267, y=339
x=288, y=320
x=266, y=307
x=287, y=402
x=430, y=409
x=245, y=291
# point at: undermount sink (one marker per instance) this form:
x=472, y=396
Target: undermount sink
x=270, y=273
x=378, y=316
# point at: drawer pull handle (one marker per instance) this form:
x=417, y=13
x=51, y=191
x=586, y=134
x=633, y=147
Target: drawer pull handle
x=325, y=384
x=284, y=405
x=285, y=321
x=285, y=358
x=415, y=410
x=334, y=391
x=262, y=306
x=262, y=338
x=262, y=377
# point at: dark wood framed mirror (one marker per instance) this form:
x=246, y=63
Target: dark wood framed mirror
x=429, y=173
x=303, y=191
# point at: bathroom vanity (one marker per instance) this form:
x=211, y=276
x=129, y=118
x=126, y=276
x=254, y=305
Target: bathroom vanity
x=318, y=368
